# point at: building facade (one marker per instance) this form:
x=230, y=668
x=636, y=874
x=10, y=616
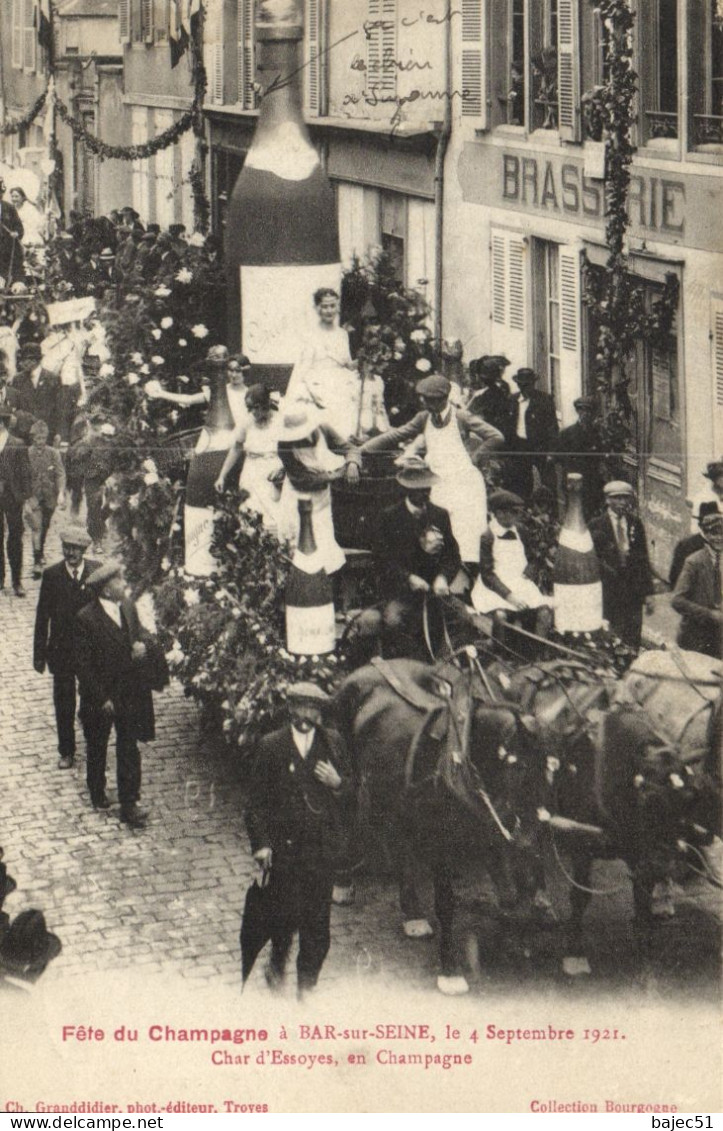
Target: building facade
x=525, y=209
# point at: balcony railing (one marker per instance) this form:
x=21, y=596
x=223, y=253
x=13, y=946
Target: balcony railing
x=661, y=123
x=708, y=129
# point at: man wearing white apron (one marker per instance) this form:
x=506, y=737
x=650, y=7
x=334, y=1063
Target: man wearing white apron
x=453, y=442
x=504, y=586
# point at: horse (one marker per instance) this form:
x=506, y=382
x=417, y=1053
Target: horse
x=619, y=783
x=440, y=764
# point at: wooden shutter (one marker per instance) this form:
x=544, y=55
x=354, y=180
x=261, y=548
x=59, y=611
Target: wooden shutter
x=509, y=271
x=717, y=372
x=474, y=63
x=570, y=330
x=381, y=47
x=314, y=70
x=124, y=20
x=246, y=93
x=147, y=21
x=18, y=26
x=568, y=69
x=30, y=34
x=213, y=52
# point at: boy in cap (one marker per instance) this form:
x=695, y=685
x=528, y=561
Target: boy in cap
x=622, y=549
x=297, y=819
x=698, y=597
x=15, y=488
x=63, y=593
x=116, y=687
x=47, y=476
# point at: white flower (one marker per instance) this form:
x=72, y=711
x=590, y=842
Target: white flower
x=175, y=655
x=132, y=378
x=173, y=416
x=191, y=597
x=106, y=370
x=165, y=564
x=423, y=365
x=162, y=292
x=157, y=359
x=137, y=358
x=152, y=388
x=150, y=478
x=133, y=501
x=418, y=336
x=166, y=322
x=183, y=379
x=107, y=429
x=184, y=276
x=199, y=330
x=197, y=239
x=145, y=369
x=149, y=465
x=156, y=334
x=182, y=343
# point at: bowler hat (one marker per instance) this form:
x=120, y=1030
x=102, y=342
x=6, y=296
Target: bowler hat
x=75, y=536
x=435, y=385
x=705, y=508
x=498, y=500
x=28, y=946
x=618, y=487
x=525, y=374
x=415, y=474
x=714, y=469
x=103, y=574
x=305, y=691
x=494, y=362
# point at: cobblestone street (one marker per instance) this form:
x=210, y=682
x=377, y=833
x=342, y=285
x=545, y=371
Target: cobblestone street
x=168, y=898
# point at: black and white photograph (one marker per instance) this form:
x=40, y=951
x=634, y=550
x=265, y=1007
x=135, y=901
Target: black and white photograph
x=361, y=556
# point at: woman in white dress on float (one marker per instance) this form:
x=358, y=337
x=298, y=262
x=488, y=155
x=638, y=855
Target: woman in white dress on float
x=327, y=381
x=257, y=440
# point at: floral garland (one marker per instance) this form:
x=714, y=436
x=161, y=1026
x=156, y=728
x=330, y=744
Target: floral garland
x=15, y=125
x=125, y=152
x=617, y=305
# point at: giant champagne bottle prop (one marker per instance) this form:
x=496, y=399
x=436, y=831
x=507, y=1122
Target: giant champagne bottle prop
x=576, y=578
x=282, y=239
x=206, y=463
x=310, y=628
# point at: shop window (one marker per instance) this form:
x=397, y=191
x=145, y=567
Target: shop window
x=705, y=52
x=393, y=225
x=658, y=68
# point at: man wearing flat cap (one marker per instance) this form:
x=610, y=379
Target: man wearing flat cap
x=579, y=449
x=297, y=818
x=63, y=593
x=118, y=669
x=698, y=596
x=455, y=444
x=622, y=549
x=15, y=488
x=417, y=556
x=533, y=432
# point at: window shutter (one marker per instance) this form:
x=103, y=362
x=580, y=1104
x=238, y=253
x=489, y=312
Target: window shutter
x=568, y=69
x=147, y=21
x=474, y=63
x=30, y=36
x=213, y=53
x=570, y=330
x=717, y=368
x=382, y=47
x=18, y=27
x=124, y=20
x=509, y=271
x=314, y=71
x=246, y=55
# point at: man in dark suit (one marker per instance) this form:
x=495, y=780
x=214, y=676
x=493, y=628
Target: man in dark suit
x=417, y=557
x=63, y=593
x=579, y=450
x=622, y=549
x=38, y=390
x=112, y=664
x=697, y=595
x=692, y=543
x=492, y=399
x=532, y=434
x=11, y=249
x=297, y=819
x=15, y=488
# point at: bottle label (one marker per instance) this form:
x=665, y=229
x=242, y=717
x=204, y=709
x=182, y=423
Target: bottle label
x=277, y=309
x=198, y=531
x=310, y=631
x=578, y=608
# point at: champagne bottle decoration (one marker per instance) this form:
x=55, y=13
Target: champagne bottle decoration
x=282, y=239
x=576, y=577
x=310, y=627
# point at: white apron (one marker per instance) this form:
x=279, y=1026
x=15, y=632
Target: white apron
x=461, y=489
x=510, y=562
x=261, y=461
